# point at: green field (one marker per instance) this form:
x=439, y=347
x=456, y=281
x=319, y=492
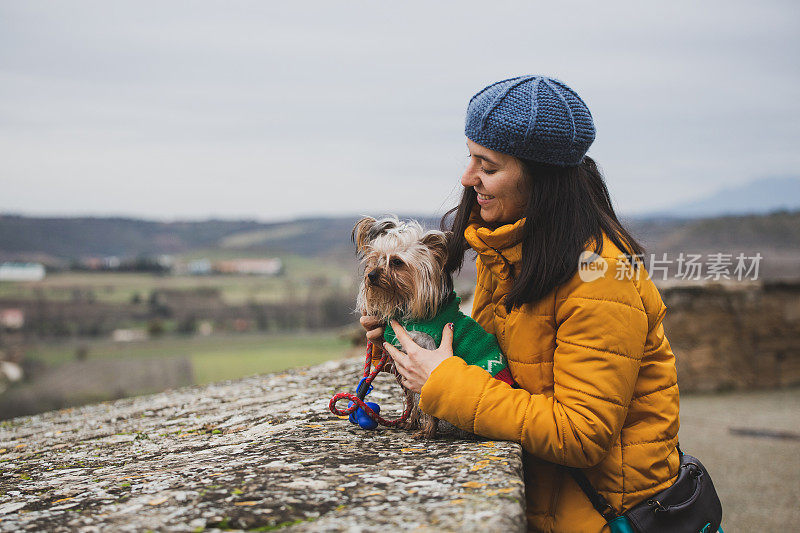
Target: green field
x=214, y=358
x=302, y=277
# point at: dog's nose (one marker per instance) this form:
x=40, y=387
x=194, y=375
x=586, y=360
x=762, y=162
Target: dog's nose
x=373, y=276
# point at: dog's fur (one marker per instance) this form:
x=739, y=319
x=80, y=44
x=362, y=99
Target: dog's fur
x=404, y=277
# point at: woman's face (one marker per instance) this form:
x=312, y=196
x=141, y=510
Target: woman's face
x=499, y=181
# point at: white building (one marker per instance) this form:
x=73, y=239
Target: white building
x=12, y=318
x=21, y=271
x=128, y=335
x=199, y=267
x=257, y=266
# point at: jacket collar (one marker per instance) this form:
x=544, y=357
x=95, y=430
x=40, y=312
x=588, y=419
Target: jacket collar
x=500, y=249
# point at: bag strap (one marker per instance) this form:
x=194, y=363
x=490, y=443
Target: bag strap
x=600, y=504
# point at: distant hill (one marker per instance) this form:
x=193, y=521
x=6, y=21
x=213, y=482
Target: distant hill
x=73, y=237
x=778, y=231
x=69, y=238
x=757, y=197
x=776, y=236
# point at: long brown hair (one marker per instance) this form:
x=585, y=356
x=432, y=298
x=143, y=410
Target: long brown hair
x=568, y=208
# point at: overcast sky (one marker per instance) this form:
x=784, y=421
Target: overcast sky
x=274, y=110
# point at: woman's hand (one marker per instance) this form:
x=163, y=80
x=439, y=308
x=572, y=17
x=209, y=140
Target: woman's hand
x=417, y=363
x=374, y=327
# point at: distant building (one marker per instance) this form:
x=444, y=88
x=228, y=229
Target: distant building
x=128, y=335
x=206, y=328
x=261, y=267
x=199, y=267
x=12, y=318
x=10, y=371
x=109, y=262
x=21, y=271
x=92, y=263
x=166, y=261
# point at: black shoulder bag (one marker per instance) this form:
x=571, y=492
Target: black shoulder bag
x=690, y=505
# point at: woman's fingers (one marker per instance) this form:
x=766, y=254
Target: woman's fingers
x=400, y=359
x=374, y=327
x=375, y=336
x=398, y=356
x=447, y=339
x=416, y=363
x=403, y=337
x=370, y=322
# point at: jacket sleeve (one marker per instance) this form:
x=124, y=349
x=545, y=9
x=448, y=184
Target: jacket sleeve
x=601, y=327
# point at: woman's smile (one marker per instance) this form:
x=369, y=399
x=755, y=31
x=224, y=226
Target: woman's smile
x=499, y=183
x=484, y=199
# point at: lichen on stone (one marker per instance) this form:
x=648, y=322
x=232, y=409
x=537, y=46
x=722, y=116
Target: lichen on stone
x=258, y=453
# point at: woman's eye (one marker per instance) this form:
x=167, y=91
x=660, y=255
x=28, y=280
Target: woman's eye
x=485, y=171
x=395, y=262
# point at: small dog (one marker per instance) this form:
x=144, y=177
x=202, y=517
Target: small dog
x=404, y=278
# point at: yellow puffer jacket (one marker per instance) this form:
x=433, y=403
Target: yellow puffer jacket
x=599, y=386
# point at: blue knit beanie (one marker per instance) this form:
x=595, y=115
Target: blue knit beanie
x=531, y=117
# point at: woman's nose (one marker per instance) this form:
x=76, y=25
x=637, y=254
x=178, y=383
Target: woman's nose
x=470, y=176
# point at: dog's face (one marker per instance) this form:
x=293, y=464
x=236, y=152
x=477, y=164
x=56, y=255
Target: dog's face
x=403, y=268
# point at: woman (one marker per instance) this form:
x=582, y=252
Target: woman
x=586, y=345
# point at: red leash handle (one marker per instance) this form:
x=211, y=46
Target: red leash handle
x=358, y=402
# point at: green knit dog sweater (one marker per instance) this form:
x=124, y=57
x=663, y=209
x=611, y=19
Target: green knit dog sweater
x=471, y=342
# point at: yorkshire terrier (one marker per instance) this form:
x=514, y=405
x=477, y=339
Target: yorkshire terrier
x=405, y=279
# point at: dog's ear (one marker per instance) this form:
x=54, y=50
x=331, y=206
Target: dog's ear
x=360, y=235
x=437, y=242
x=368, y=229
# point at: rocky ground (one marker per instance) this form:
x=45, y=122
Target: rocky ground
x=256, y=454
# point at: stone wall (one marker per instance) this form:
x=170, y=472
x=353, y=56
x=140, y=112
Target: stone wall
x=81, y=382
x=736, y=336
x=264, y=452
x=254, y=454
